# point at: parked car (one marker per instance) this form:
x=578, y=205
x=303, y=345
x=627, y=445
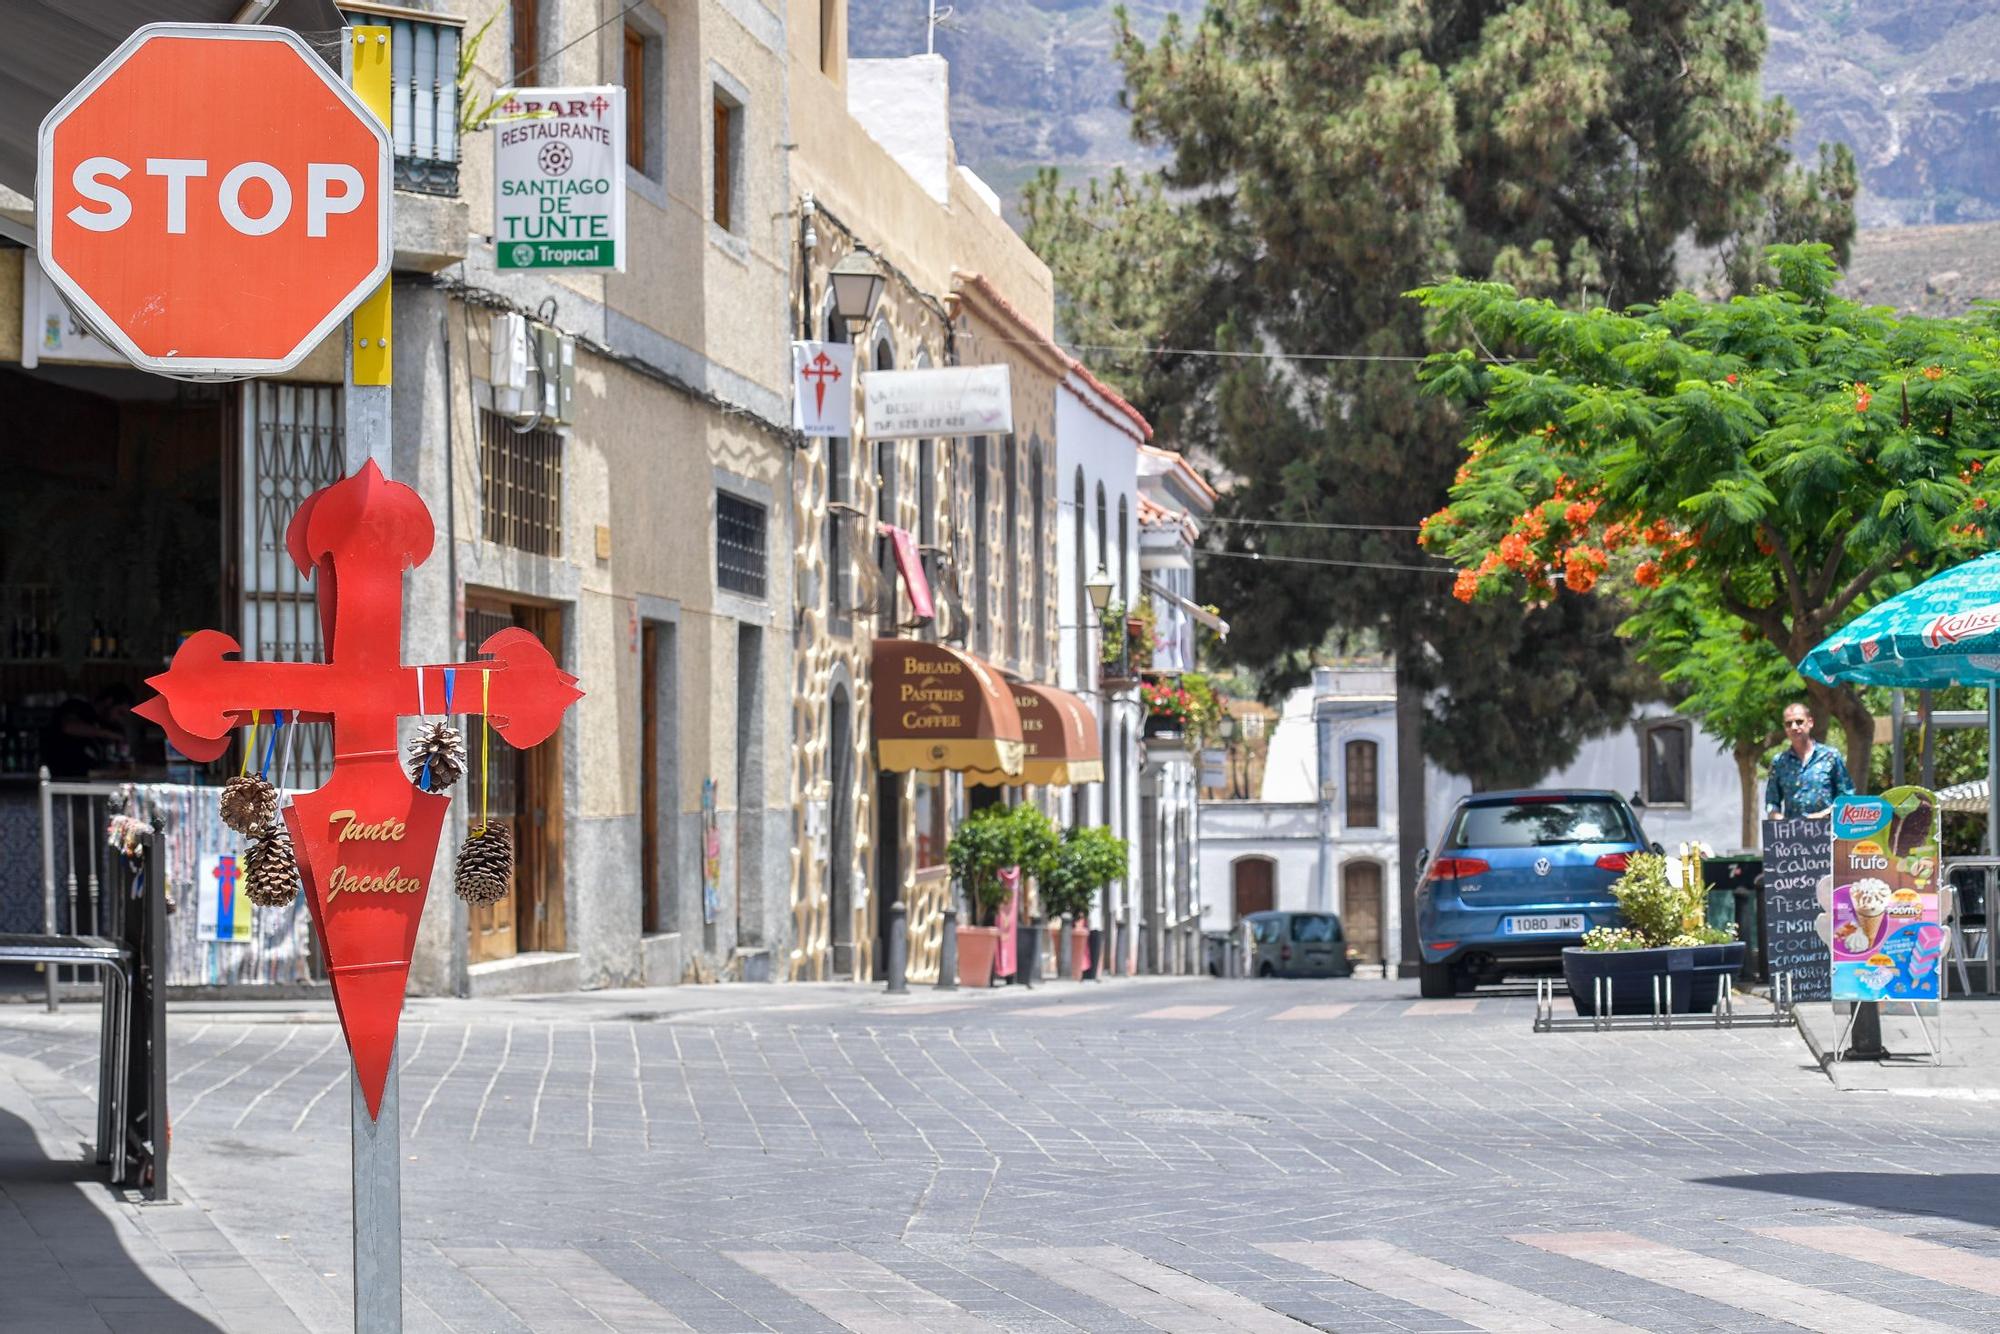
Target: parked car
x=1297, y=944
x=1518, y=876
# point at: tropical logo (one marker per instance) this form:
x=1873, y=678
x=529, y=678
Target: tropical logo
x=1961, y=626
x=1869, y=650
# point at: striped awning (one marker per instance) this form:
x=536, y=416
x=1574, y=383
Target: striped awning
x=938, y=708
x=1060, y=734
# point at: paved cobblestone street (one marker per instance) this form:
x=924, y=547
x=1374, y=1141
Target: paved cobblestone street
x=1133, y=1156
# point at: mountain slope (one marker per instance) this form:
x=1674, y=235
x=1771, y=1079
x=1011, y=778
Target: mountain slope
x=1913, y=86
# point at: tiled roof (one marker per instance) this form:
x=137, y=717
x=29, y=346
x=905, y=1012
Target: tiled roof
x=1180, y=462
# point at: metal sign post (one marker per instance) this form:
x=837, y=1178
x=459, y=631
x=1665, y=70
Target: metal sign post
x=376, y=1140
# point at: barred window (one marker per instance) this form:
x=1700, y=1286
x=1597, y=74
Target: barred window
x=523, y=491
x=739, y=545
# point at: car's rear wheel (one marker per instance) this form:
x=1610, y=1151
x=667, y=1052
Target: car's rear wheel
x=1435, y=981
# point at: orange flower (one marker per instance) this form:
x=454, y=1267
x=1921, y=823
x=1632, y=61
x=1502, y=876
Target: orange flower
x=1462, y=476
x=1533, y=524
x=1731, y=377
x=1647, y=575
x=1862, y=398
x=1933, y=372
x=1489, y=563
x=1465, y=585
x=1764, y=545
x=1977, y=466
x=1979, y=502
x=1616, y=536
x=1515, y=552
x=1578, y=513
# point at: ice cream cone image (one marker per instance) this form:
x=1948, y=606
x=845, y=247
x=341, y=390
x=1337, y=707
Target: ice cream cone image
x=1871, y=899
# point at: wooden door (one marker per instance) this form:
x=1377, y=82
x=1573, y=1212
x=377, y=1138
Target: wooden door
x=1361, y=909
x=524, y=789
x=1254, y=887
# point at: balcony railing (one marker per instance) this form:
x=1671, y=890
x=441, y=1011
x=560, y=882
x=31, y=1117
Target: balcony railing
x=423, y=75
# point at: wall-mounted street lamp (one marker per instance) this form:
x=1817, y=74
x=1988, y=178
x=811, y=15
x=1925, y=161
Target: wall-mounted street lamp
x=1099, y=588
x=857, y=286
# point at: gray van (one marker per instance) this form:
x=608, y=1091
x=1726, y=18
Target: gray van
x=1297, y=944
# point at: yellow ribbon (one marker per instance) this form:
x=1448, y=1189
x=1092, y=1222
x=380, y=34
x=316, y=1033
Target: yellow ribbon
x=485, y=746
x=250, y=746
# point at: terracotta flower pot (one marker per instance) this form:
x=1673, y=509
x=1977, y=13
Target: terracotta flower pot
x=976, y=947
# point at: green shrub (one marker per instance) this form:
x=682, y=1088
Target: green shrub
x=1657, y=912
x=993, y=840
x=1088, y=859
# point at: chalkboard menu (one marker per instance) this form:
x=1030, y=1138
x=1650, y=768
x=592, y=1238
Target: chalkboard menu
x=1798, y=855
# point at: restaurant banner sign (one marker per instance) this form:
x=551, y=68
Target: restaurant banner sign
x=559, y=179
x=937, y=401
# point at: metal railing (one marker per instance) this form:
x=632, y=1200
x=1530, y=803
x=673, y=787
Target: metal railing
x=77, y=869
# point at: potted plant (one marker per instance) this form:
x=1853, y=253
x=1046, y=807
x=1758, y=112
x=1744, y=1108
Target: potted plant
x=1115, y=657
x=980, y=849
x=1170, y=708
x=996, y=839
x=1087, y=859
x=1665, y=934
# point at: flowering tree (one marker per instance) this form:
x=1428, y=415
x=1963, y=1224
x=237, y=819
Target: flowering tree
x=1785, y=458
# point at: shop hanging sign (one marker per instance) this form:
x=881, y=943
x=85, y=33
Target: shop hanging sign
x=559, y=179
x=1888, y=939
x=823, y=389
x=937, y=401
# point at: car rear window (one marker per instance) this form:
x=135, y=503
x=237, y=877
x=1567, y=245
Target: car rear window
x=1534, y=824
x=1314, y=930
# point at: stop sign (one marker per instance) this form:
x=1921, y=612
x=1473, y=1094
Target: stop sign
x=213, y=199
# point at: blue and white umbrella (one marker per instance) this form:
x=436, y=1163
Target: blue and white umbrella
x=1945, y=631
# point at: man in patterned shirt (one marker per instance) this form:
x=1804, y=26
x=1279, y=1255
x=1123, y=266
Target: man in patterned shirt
x=1807, y=775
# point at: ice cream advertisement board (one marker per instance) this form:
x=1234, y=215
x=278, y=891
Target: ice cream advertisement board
x=1888, y=942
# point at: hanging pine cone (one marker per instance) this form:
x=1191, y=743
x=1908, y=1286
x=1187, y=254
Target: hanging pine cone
x=271, y=872
x=249, y=804
x=441, y=746
x=485, y=865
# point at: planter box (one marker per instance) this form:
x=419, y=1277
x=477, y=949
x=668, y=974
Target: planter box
x=1697, y=972
x=977, y=945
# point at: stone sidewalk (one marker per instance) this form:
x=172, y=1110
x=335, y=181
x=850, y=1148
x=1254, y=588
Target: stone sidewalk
x=1967, y=1065
x=79, y=1257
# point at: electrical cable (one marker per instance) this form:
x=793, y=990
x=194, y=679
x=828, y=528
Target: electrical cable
x=1318, y=560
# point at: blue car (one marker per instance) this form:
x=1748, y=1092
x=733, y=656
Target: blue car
x=1518, y=876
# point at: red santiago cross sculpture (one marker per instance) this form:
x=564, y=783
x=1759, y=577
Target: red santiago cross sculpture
x=367, y=839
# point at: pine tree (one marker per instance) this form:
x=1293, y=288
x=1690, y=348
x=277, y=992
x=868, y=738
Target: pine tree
x=1326, y=156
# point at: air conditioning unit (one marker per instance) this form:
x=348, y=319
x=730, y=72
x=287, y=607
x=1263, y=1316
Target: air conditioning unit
x=508, y=365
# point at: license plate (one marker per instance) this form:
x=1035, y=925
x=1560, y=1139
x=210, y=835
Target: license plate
x=1544, y=924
